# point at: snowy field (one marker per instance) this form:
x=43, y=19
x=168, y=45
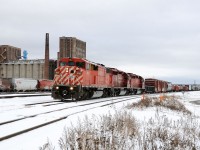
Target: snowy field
x=33, y=140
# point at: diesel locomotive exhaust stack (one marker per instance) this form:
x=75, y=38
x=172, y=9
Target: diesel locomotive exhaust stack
x=46, y=61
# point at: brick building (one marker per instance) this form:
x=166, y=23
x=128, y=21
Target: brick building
x=9, y=53
x=72, y=47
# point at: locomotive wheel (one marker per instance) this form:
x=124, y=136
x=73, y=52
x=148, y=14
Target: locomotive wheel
x=90, y=94
x=105, y=93
x=77, y=97
x=117, y=92
x=85, y=95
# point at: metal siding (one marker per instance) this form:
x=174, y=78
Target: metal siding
x=16, y=73
x=36, y=71
x=10, y=71
x=41, y=71
x=22, y=70
x=29, y=71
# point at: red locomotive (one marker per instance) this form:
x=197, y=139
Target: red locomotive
x=79, y=79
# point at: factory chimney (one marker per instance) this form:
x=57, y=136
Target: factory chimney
x=46, y=62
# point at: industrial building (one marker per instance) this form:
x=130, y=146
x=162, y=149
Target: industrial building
x=9, y=53
x=13, y=66
x=71, y=47
x=26, y=69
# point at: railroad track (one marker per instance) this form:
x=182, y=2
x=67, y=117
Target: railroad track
x=2, y=96
x=82, y=108
x=26, y=106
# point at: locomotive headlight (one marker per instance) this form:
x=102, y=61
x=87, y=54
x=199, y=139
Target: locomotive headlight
x=71, y=88
x=57, y=88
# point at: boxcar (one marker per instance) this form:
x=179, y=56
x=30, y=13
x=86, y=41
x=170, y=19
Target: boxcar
x=155, y=85
x=151, y=85
x=164, y=86
x=175, y=88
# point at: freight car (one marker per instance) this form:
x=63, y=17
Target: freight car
x=24, y=84
x=156, y=86
x=178, y=88
x=5, y=85
x=80, y=79
x=45, y=85
x=169, y=86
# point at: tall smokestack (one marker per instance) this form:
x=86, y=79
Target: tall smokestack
x=46, y=62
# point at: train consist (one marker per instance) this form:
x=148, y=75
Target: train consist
x=81, y=79
x=24, y=84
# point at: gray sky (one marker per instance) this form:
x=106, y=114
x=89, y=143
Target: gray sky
x=152, y=38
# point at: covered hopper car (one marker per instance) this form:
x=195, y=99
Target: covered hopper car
x=25, y=84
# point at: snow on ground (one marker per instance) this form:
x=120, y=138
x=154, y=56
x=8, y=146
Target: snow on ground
x=35, y=139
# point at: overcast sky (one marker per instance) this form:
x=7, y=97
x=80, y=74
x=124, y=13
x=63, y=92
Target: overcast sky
x=152, y=38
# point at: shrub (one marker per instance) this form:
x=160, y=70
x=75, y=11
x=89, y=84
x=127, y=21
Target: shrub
x=169, y=102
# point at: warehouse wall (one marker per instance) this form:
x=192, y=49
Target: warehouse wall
x=25, y=70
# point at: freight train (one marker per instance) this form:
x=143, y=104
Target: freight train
x=24, y=84
x=81, y=79
x=160, y=86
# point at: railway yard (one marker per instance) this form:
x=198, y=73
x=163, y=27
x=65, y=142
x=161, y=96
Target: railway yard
x=25, y=115
x=36, y=119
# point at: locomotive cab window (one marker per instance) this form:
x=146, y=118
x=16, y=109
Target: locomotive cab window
x=71, y=63
x=94, y=67
x=80, y=64
x=63, y=63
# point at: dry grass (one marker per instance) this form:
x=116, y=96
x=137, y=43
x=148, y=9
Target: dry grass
x=47, y=146
x=109, y=132
x=169, y=102
x=121, y=131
